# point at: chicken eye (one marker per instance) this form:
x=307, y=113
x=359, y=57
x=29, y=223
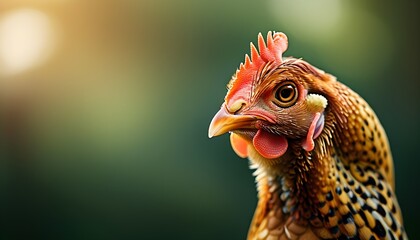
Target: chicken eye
x=286, y=95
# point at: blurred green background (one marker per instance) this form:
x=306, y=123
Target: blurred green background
x=105, y=105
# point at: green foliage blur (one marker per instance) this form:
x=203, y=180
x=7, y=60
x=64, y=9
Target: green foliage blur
x=106, y=138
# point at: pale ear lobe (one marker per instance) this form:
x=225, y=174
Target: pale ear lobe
x=316, y=102
x=239, y=145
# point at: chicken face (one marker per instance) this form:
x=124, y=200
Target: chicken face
x=268, y=105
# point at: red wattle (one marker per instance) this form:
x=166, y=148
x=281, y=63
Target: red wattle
x=270, y=145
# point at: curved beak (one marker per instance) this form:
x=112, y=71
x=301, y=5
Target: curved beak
x=224, y=122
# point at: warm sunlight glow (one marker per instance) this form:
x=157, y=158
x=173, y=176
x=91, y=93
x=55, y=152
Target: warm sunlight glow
x=25, y=40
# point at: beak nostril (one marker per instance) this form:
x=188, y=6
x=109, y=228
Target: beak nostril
x=235, y=107
x=224, y=122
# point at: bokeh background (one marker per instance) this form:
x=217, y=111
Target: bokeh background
x=105, y=105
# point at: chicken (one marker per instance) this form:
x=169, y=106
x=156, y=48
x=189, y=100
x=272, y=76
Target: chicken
x=322, y=160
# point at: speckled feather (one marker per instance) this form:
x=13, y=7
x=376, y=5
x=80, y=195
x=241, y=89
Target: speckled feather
x=342, y=189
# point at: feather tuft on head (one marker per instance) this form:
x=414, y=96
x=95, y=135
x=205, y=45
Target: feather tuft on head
x=241, y=83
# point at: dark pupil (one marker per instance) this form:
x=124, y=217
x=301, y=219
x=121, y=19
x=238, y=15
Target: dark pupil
x=286, y=93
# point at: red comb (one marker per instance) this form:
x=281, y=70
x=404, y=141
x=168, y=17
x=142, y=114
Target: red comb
x=245, y=75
